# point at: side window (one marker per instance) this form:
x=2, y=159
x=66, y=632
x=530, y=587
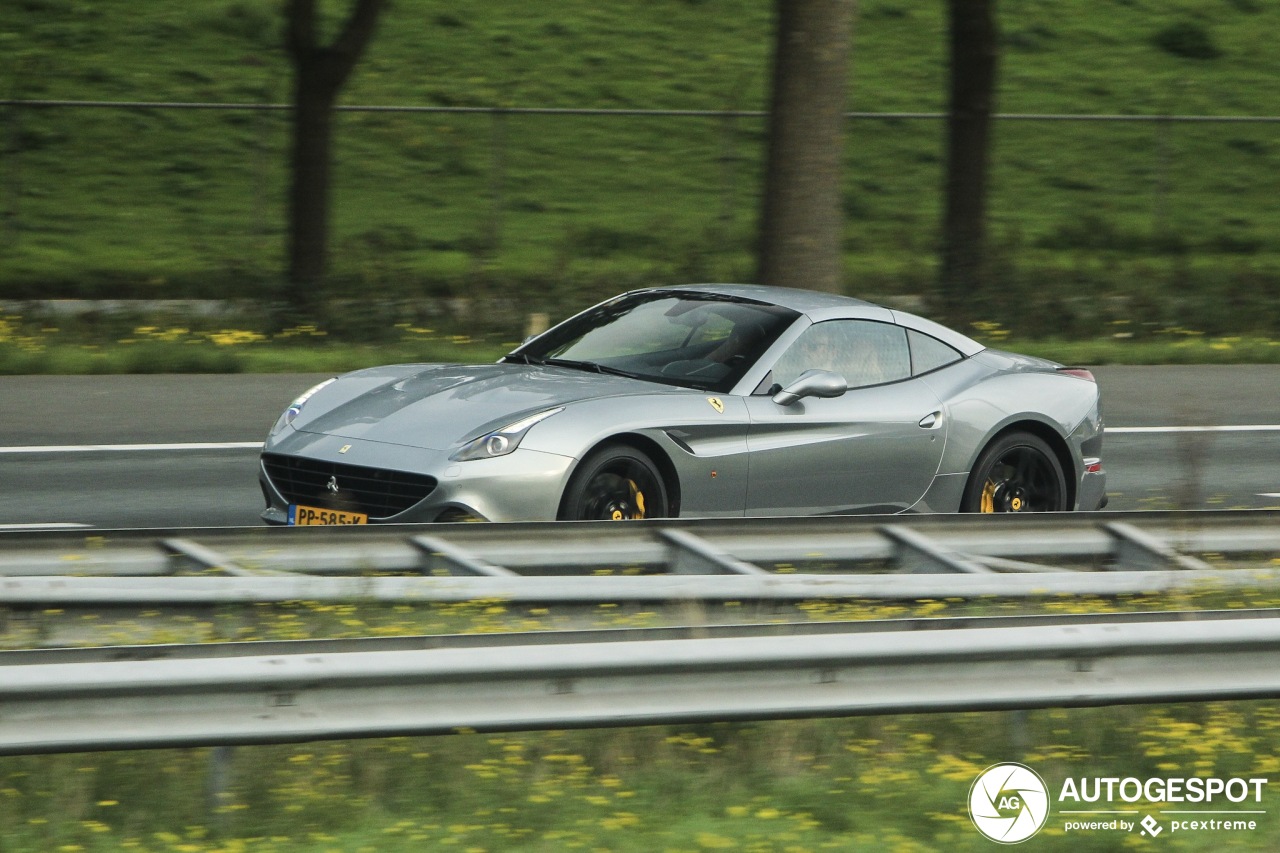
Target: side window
x=929, y=353
x=864, y=352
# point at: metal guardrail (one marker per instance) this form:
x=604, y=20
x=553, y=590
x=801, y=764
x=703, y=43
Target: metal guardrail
x=243, y=648
x=257, y=695
x=199, y=592
x=739, y=559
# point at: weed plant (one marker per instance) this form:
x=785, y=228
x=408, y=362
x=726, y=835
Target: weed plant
x=110, y=343
x=876, y=783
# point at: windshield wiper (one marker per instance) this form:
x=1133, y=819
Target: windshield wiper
x=589, y=365
x=525, y=357
x=613, y=371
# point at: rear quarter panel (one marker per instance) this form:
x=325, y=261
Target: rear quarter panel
x=982, y=399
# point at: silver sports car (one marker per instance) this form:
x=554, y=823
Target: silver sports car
x=705, y=400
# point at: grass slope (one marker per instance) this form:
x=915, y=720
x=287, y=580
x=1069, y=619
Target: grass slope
x=1161, y=225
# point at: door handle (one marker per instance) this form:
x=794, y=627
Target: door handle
x=931, y=420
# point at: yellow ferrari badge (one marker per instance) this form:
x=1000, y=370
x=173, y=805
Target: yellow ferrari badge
x=717, y=404
x=344, y=448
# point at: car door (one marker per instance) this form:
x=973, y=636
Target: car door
x=876, y=448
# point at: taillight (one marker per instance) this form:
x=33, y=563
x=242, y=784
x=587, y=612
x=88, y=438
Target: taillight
x=1079, y=372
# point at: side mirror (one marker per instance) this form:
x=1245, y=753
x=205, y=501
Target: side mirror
x=812, y=383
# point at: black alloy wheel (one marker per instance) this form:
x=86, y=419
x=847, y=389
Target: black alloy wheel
x=615, y=483
x=1017, y=472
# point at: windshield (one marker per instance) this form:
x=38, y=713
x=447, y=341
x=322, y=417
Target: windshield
x=693, y=340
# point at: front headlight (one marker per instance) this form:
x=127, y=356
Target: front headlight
x=500, y=442
x=296, y=406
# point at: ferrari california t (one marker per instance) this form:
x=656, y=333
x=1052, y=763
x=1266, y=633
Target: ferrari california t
x=702, y=400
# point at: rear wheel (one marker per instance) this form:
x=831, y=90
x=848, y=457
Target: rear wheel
x=1017, y=472
x=615, y=483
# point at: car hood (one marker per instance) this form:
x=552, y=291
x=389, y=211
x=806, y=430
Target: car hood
x=441, y=406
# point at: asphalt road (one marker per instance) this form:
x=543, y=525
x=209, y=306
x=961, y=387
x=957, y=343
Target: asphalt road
x=1156, y=456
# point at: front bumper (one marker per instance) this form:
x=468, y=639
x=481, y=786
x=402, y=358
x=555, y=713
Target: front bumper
x=525, y=485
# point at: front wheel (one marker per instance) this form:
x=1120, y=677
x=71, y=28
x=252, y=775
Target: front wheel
x=1017, y=472
x=615, y=483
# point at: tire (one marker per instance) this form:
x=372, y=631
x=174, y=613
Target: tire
x=617, y=483
x=1017, y=472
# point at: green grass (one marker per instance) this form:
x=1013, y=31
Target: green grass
x=878, y=784
x=241, y=342
x=882, y=783
x=1169, y=226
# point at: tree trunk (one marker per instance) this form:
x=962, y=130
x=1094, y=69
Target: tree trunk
x=801, y=220
x=974, y=50
x=309, y=194
x=319, y=74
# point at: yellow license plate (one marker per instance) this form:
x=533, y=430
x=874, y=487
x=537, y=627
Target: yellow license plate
x=302, y=515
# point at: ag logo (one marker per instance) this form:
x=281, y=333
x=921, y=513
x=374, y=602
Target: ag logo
x=717, y=404
x=1008, y=803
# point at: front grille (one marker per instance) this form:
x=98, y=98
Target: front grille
x=378, y=492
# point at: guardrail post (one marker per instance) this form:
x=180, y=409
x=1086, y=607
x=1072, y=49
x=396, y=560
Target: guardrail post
x=915, y=552
x=1136, y=549
x=1019, y=732
x=183, y=553
x=691, y=555
x=217, y=790
x=441, y=556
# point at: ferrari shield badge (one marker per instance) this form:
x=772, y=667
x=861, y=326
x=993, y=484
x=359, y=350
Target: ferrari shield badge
x=717, y=404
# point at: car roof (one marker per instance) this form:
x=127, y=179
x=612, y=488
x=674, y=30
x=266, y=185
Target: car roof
x=802, y=301
x=819, y=306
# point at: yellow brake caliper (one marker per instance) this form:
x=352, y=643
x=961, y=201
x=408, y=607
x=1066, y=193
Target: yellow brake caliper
x=637, y=499
x=988, y=497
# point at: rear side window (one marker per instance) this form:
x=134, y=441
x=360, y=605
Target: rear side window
x=928, y=353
